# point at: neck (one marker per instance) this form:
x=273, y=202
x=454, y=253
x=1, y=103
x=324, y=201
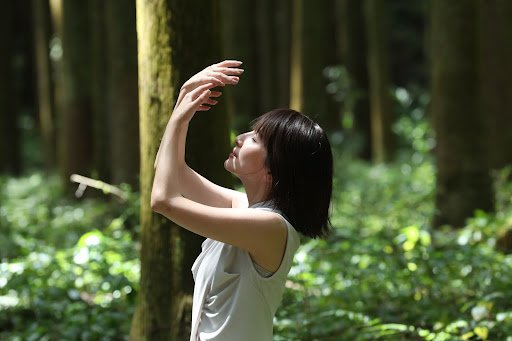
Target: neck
x=256, y=191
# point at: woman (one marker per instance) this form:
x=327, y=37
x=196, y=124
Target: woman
x=285, y=166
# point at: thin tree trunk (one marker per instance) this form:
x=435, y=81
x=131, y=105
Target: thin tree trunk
x=239, y=35
x=10, y=161
x=282, y=30
x=76, y=120
x=354, y=27
x=496, y=69
x=319, y=52
x=296, y=59
x=463, y=181
x=41, y=23
x=99, y=90
x=122, y=91
x=379, y=80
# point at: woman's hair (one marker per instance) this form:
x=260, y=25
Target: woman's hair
x=299, y=158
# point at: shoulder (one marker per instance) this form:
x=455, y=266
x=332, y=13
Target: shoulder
x=244, y=227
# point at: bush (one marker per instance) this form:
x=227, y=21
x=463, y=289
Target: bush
x=386, y=274
x=68, y=270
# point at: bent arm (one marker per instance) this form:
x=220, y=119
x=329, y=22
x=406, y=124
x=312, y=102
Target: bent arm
x=189, y=183
x=171, y=171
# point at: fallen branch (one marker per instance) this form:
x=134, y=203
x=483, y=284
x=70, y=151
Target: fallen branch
x=85, y=182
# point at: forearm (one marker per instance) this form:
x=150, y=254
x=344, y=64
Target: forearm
x=171, y=159
x=180, y=98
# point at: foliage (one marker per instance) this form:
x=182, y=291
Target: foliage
x=384, y=274
x=68, y=270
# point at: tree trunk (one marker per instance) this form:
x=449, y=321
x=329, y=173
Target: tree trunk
x=379, y=80
x=239, y=35
x=10, y=161
x=355, y=52
x=122, y=105
x=259, y=35
x=194, y=45
x=76, y=120
x=41, y=23
x=282, y=31
x=296, y=58
x=315, y=28
x=99, y=90
x=175, y=40
x=463, y=182
x=496, y=68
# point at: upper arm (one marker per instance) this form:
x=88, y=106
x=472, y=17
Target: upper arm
x=261, y=233
x=197, y=188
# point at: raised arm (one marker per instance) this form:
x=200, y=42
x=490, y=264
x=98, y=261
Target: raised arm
x=263, y=234
x=189, y=183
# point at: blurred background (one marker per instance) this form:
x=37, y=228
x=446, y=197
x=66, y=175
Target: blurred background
x=416, y=98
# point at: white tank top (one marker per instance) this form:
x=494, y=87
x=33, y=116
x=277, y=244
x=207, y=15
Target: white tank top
x=232, y=301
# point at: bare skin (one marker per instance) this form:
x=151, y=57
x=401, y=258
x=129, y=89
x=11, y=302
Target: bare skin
x=212, y=211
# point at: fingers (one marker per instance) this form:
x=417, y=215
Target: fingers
x=229, y=63
x=202, y=99
x=229, y=71
x=223, y=78
x=200, y=90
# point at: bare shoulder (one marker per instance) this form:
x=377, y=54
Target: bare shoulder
x=251, y=229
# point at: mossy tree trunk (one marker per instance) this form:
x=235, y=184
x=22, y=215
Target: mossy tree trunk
x=75, y=139
x=463, y=181
x=175, y=40
x=313, y=49
x=377, y=33
x=46, y=112
x=354, y=56
x=122, y=93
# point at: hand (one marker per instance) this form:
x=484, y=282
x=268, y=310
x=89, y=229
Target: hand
x=219, y=74
x=193, y=101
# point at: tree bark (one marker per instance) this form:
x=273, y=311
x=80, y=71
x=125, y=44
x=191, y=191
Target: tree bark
x=379, y=80
x=463, y=181
x=99, y=90
x=176, y=38
x=315, y=28
x=76, y=120
x=122, y=94
x=10, y=160
x=496, y=68
x=355, y=53
x=46, y=113
x=239, y=36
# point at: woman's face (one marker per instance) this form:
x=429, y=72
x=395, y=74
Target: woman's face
x=248, y=157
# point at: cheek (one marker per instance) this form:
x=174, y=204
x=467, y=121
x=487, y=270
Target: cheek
x=255, y=158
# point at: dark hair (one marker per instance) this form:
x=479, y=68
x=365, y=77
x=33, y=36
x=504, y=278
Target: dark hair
x=299, y=158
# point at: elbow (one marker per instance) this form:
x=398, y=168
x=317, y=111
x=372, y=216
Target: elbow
x=157, y=203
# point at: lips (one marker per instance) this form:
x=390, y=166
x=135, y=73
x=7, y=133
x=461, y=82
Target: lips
x=234, y=153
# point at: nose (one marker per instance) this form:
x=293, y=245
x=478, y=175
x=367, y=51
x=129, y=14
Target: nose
x=239, y=140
